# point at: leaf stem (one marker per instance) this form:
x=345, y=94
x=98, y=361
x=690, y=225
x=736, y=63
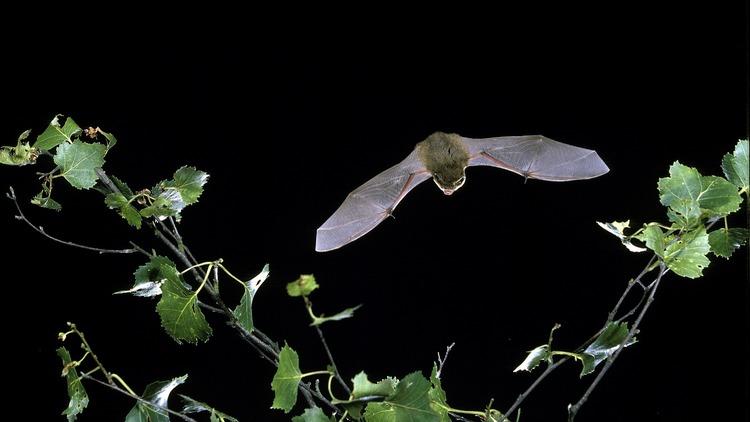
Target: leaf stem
x=123, y=384
x=309, y=374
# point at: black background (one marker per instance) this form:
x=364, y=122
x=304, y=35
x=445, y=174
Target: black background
x=288, y=122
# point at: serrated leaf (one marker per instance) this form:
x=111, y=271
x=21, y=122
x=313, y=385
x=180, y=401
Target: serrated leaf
x=111, y=140
x=147, y=289
x=680, y=192
x=346, y=313
x=179, y=311
x=244, y=311
x=653, y=237
x=161, y=207
x=126, y=210
x=122, y=186
x=19, y=155
x=313, y=414
x=77, y=394
x=617, y=228
x=689, y=195
x=78, y=163
x=604, y=346
x=437, y=396
x=46, y=202
x=364, y=391
x=735, y=165
x=718, y=197
x=188, y=182
x=686, y=256
x=286, y=380
x=302, y=286
x=364, y=388
x=534, y=358
x=54, y=135
x=157, y=394
x=724, y=242
x=410, y=402
x=194, y=406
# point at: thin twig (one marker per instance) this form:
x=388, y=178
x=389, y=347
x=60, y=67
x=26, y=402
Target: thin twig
x=140, y=249
x=612, y=313
x=39, y=229
x=441, y=360
x=533, y=385
x=88, y=348
x=138, y=398
x=107, y=181
x=333, y=363
x=637, y=280
x=573, y=410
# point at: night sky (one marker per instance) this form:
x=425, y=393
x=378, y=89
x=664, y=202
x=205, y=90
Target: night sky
x=286, y=125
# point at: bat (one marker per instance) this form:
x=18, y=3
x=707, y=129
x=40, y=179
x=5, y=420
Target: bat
x=444, y=157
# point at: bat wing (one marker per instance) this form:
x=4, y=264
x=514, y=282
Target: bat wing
x=370, y=204
x=536, y=157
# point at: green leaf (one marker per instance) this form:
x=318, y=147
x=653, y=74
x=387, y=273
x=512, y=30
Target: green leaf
x=686, y=256
x=365, y=391
x=286, y=380
x=188, y=182
x=179, y=311
x=409, y=403
x=244, y=311
x=122, y=186
x=161, y=207
x=346, y=313
x=172, y=196
x=111, y=140
x=54, y=135
x=77, y=394
x=46, y=201
x=653, y=237
x=680, y=192
x=724, y=242
x=194, y=406
x=718, y=197
x=313, y=414
x=20, y=155
x=126, y=210
x=735, y=165
x=534, y=358
x=364, y=388
x=78, y=163
x=689, y=195
x=302, y=286
x=605, y=345
x=149, y=277
x=157, y=394
x=437, y=396
x=617, y=228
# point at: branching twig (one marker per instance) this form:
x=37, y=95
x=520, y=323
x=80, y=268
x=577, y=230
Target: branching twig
x=441, y=360
x=39, y=229
x=138, y=398
x=573, y=409
x=612, y=313
x=333, y=363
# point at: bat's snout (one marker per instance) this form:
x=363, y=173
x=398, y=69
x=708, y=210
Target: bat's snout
x=448, y=191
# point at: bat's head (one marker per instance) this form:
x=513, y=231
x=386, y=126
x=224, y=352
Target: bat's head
x=449, y=180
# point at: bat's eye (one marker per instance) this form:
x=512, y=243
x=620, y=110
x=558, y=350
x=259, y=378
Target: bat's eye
x=460, y=182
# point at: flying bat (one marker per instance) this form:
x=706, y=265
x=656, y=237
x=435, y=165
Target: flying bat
x=444, y=157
